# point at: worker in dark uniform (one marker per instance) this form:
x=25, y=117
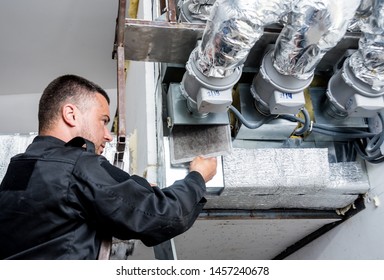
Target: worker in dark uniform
x=61, y=198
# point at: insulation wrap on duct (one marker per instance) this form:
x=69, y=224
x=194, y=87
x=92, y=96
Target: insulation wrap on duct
x=288, y=178
x=199, y=9
x=233, y=28
x=367, y=63
x=313, y=28
x=361, y=15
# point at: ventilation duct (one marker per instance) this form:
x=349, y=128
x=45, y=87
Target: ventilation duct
x=215, y=65
x=195, y=11
x=312, y=29
x=232, y=30
x=357, y=89
x=362, y=13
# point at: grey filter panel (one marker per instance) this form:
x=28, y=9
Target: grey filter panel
x=288, y=178
x=189, y=141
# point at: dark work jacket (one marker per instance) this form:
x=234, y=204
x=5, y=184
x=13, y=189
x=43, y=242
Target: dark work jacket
x=58, y=201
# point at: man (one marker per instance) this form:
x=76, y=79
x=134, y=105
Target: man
x=60, y=198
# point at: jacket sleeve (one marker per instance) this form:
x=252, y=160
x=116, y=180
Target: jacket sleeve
x=127, y=207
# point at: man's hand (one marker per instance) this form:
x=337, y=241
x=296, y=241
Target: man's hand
x=205, y=166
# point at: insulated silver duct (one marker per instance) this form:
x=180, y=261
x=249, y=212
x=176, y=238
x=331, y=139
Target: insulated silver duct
x=313, y=27
x=195, y=11
x=215, y=65
x=232, y=30
x=368, y=62
x=357, y=90
x=362, y=13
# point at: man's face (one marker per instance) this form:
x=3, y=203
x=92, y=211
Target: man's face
x=95, y=121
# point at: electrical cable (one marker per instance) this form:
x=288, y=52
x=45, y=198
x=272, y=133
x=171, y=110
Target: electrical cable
x=369, y=150
x=247, y=123
x=377, y=158
x=307, y=123
x=331, y=131
x=375, y=143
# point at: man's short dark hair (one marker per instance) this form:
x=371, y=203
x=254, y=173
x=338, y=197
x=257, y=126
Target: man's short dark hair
x=67, y=88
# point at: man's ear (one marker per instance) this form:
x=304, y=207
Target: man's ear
x=70, y=114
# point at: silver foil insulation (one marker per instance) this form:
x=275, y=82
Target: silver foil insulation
x=367, y=63
x=313, y=27
x=198, y=9
x=288, y=178
x=232, y=29
x=362, y=13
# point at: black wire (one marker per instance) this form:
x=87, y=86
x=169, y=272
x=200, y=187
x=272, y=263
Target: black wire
x=307, y=123
x=247, y=123
x=344, y=133
x=369, y=148
x=366, y=144
x=375, y=143
x=359, y=147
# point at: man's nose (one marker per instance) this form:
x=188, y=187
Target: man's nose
x=107, y=135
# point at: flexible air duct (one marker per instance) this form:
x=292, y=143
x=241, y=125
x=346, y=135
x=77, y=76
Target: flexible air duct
x=313, y=28
x=215, y=65
x=362, y=13
x=232, y=30
x=195, y=11
x=357, y=89
x=368, y=62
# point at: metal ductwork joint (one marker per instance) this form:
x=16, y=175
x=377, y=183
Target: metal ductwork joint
x=313, y=27
x=357, y=89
